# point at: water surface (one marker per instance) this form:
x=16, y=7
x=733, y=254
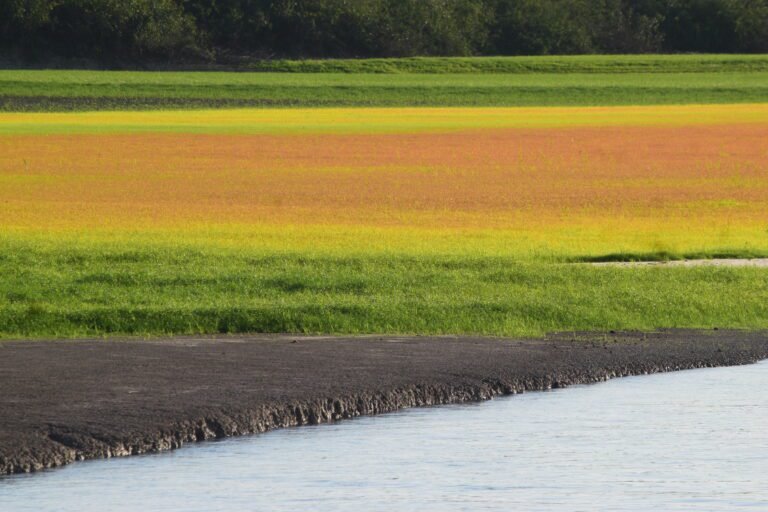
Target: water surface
x=694, y=440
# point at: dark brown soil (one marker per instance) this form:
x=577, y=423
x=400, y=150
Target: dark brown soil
x=63, y=401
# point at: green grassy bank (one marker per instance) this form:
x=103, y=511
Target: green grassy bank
x=106, y=289
x=533, y=64
x=510, y=81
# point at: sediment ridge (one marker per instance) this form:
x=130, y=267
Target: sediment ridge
x=65, y=401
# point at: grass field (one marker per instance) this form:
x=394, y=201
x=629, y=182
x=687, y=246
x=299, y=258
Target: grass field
x=534, y=81
x=537, y=64
x=372, y=220
x=85, y=288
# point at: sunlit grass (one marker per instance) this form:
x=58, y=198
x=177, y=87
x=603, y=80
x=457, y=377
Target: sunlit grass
x=492, y=81
x=93, y=289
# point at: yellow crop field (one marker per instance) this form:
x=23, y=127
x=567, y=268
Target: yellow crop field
x=375, y=120
x=526, y=183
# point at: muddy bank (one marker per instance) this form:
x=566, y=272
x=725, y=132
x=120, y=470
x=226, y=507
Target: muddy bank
x=64, y=401
x=720, y=262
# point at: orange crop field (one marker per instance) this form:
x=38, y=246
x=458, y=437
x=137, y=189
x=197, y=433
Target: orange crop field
x=570, y=191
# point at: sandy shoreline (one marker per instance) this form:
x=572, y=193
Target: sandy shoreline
x=64, y=401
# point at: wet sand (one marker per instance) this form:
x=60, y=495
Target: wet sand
x=64, y=401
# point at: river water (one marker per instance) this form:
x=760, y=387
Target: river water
x=695, y=440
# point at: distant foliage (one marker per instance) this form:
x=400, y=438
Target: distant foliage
x=130, y=32
x=101, y=30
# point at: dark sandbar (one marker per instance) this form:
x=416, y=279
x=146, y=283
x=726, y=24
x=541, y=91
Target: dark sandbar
x=62, y=401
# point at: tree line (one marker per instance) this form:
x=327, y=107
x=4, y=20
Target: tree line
x=132, y=32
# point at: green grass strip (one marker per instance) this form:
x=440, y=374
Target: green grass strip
x=692, y=83
x=51, y=290
x=537, y=64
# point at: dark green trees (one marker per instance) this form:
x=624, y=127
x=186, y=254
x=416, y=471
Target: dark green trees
x=133, y=32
